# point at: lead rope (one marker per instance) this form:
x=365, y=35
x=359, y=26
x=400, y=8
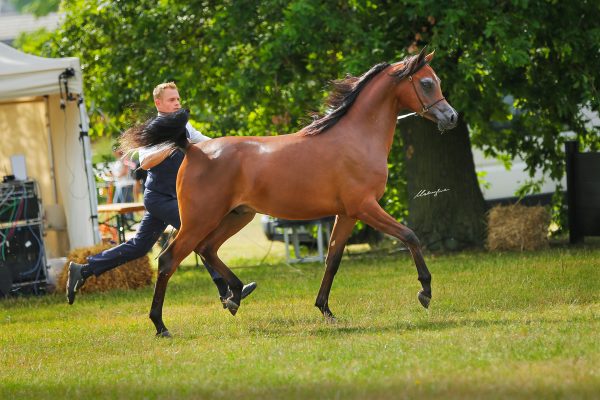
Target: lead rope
x=406, y=116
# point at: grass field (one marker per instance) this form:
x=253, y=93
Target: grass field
x=506, y=325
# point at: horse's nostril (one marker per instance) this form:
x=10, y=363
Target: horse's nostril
x=452, y=117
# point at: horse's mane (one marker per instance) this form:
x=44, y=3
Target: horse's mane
x=345, y=91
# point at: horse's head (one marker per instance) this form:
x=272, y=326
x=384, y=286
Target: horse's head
x=419, y=90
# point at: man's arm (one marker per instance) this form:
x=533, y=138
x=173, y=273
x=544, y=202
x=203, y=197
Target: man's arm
x=194, y=135
x=149, y=159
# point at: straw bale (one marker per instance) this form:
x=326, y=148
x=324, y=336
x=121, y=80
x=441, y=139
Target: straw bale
x=517, y=227
x=131, y=275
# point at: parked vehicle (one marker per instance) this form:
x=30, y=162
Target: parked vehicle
x=499, y=185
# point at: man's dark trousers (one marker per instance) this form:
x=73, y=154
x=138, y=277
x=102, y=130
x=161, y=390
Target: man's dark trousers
x=161, y=210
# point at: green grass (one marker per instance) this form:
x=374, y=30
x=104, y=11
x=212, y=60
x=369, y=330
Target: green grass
x=505, y=325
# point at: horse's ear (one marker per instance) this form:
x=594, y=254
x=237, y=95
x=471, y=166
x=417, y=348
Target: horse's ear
x=421, y=55
x=429, y=56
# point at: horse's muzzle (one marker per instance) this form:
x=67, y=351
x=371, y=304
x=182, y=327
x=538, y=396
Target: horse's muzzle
x=446, y=116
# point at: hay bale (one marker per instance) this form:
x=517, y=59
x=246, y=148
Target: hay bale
x=131, y=275
x=517, y=227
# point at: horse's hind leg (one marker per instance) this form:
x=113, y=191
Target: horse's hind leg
x=372, y=214
x=184, y=243
x=229, y=226
x=339, y=236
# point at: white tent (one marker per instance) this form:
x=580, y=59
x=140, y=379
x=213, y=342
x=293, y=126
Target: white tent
x=38, y=120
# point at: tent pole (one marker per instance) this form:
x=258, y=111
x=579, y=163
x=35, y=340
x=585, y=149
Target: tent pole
x=50, y=151
x=87, y=159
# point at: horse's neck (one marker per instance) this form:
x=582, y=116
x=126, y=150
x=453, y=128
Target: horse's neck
x=375, y=111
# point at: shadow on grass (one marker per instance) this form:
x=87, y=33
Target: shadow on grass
x=281, y=327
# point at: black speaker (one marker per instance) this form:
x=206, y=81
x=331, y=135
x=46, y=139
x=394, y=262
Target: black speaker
x=22, y=253
x=5, y=281
x=22, y=256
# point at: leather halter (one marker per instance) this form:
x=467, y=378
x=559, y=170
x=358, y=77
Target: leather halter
x=425, y=108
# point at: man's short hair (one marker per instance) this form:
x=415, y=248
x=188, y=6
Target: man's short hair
x=159, y=89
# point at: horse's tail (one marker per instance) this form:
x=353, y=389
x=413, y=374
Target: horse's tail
x=164, y=131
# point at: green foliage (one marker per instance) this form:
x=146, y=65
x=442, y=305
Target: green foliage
x=482, y=181
x=395, y=199
x=36, y=7
x=519, y=72
x=32, y=42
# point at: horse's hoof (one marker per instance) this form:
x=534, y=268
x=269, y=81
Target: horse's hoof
x=424, y=299
x=232, y=306
x=164, y=334
x=328, y=315
x=330, y=319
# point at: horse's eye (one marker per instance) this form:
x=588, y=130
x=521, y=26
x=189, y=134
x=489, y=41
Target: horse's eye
x=427, y=83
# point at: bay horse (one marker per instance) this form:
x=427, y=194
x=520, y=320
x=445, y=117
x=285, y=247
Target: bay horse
x=337, y=165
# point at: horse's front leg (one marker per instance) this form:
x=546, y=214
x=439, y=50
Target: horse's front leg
x=339, y=236
x=168, y=262
x=372, y=214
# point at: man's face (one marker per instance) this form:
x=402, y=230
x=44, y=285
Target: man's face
x=169, y=101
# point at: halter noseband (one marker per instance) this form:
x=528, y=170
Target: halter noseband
x=425, y=108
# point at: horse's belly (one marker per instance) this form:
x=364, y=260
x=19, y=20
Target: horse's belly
x=291, y=200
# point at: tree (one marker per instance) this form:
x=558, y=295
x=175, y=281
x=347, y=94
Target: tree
x=543, y=55
x=249, y=67
x=245, y=67
x=442, y=164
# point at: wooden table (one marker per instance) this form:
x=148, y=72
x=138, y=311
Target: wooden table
x=118, y=211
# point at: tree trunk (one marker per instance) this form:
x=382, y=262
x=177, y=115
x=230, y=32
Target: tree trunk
x=445, y=204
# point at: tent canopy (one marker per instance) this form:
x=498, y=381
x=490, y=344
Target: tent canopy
x=23, y=75
x=40, y=123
